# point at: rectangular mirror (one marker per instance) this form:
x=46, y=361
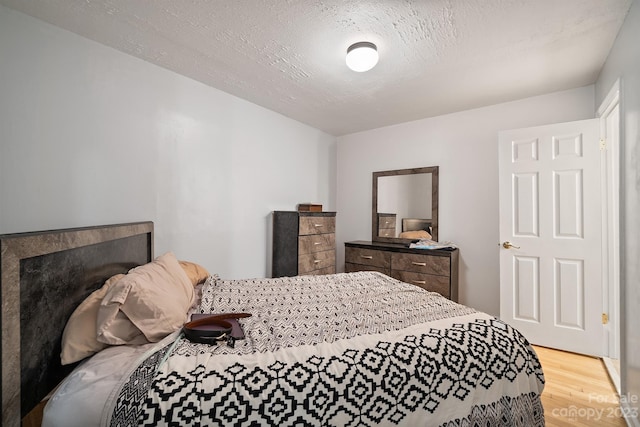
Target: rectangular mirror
x=405, y=200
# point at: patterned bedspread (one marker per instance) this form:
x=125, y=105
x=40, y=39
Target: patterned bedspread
x=352, y=349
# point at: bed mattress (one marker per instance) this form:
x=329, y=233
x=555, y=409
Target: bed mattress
x=350, y=349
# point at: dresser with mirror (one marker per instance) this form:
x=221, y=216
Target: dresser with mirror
x=405, y=209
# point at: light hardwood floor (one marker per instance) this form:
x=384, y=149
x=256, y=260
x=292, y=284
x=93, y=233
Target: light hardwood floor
x=578, y=391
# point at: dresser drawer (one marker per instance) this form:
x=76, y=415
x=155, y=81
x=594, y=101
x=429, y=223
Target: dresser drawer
x=420, y=263
x=367, y=257
x=387, y=221
x=387, y=232
x=317, y=225
x=316, y=243
x=316, y=261
x=326, y=270
x=429, y=282
x=351, y=268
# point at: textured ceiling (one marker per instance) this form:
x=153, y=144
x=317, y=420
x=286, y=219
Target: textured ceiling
x=436, y=56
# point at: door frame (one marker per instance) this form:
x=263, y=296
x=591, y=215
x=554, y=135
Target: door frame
x=610, y=166
x=609, y=115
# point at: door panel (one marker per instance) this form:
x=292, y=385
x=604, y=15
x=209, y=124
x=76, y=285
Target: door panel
x=569, y=294
x=525, y=204
x=550, y=276
x=567, y=209
x=527, y=288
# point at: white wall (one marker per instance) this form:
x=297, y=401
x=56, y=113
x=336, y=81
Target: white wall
x=465, y=147
x=92, y=136
x=624, y=63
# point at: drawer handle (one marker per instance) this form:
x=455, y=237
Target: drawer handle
x=421, y=264
x=317, y=225
x=420, y=282
x=366, y=256
x=317, y=243
x=316, y=261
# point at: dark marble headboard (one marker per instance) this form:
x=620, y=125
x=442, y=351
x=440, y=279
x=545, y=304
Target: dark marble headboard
x=44, y=276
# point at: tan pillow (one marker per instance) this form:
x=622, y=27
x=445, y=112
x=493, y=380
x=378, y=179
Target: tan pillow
x=79, y=336
x=196, y=273
x=417, y=234
x=155, y=297
x=120, y=331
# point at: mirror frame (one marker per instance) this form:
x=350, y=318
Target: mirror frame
x=434, y=202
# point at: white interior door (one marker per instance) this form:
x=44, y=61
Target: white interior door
x=550, y=214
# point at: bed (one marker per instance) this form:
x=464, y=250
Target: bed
x=349, y=349
x=416, y=224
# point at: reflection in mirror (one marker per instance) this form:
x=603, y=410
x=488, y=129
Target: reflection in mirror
x=408, y=196
x=405, y=200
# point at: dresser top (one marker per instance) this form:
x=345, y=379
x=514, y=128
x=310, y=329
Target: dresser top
x=400, y=247
x=306, y=213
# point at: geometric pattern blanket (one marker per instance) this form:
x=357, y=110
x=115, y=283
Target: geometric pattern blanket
x=350, y=349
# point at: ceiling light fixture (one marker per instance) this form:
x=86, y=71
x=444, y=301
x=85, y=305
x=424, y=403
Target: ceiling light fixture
x=362, y=56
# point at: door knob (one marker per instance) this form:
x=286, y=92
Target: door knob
x=508, y=245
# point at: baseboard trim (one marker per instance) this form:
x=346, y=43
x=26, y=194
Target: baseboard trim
x=614, y=375
x=630, y=414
